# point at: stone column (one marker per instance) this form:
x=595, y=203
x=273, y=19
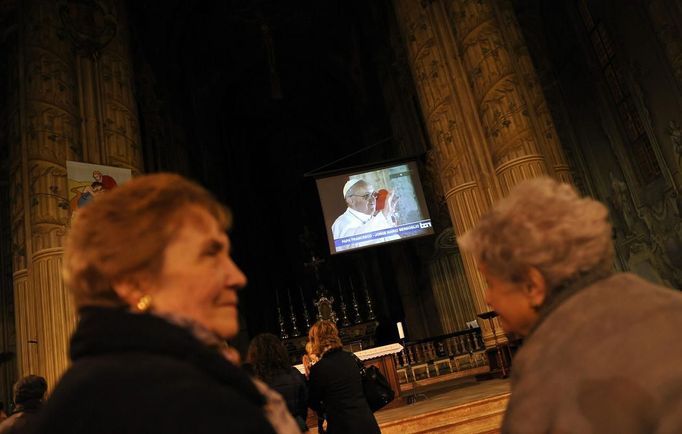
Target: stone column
x=450, y=288
x=110, y=127
x=452, y=125
x=486, y=116
x=506, y=92
x=55, y=111
x=44, y=134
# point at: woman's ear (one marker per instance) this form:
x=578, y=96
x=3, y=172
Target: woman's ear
x=127, y=290
x=132, y=288
x=536, y=287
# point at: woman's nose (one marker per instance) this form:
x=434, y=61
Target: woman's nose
x=235, y=278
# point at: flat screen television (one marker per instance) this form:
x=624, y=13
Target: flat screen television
x=374, y=206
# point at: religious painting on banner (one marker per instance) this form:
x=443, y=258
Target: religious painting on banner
x=87, y=181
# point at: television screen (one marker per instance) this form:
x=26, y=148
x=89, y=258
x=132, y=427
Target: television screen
x=372, y=207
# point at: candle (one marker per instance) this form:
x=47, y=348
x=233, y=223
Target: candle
x=401, y=333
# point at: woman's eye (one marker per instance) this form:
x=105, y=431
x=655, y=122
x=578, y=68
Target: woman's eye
x=212, y=252
x=213, y=249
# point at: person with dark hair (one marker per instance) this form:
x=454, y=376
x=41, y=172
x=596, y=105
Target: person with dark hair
x=149, y=267
x=85, y=194
x=335, y=384
x=29, y=394
x=268, y=360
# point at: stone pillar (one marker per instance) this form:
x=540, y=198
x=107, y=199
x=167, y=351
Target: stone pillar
x=110, y=127
x=483, y=107
x=44, y=134
x=55, y=111
x=450, y=288
x=451, y=124
x=506, y=92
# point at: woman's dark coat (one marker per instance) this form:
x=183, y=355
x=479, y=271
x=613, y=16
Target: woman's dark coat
x=137, y=373
x=335, y=388
x=291, y=385
x=21, y=420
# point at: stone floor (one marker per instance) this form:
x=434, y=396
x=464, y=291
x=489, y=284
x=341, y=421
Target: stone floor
x=463, y=406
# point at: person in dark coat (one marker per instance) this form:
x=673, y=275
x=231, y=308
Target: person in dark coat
x=335, y=384
x=150, y=271
x=268, y=360
x=29, y=395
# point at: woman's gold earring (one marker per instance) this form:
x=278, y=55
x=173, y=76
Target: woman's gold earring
x=144, y=302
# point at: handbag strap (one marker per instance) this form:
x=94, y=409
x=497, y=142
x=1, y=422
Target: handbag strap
x=361, y=365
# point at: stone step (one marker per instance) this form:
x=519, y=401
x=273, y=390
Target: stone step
x=482, y=416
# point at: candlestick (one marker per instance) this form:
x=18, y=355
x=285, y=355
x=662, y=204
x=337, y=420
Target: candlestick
x=401, y=333
x=342, y=305
x=368, y=300
x=306, y=317
x=294, y=326
x=357, y=319
x=282, y=329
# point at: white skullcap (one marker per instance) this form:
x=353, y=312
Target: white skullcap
x=347, y=186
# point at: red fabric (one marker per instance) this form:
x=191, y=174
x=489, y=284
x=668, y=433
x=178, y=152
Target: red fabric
x=108, y=182
x=381, y=199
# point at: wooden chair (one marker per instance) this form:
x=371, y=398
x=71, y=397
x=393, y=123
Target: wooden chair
x=480, y=358
x=421, y=366
x=440, y=362
x=402, y=373
x=461, y=361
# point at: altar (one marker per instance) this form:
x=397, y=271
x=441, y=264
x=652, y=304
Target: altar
x=355, y=337
x=356, y=323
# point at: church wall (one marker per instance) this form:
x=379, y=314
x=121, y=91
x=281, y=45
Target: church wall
x=599, y=114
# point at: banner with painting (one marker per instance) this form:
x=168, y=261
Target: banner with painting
x=87, y=181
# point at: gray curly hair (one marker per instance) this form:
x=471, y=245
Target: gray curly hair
x=543, y=224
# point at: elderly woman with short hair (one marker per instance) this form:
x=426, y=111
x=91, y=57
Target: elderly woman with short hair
x=150, y=270
x=601, y=351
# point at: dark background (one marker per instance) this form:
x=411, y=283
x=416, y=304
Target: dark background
x=254, y=95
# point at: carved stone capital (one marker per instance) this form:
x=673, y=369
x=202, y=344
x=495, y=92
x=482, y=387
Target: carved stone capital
x=90, y=24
